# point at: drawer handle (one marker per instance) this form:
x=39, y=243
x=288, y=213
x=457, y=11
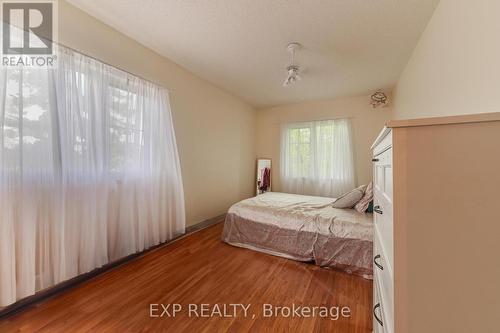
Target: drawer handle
x=375, y=159
x=375, y=314
x=376, y=263
x=377, y=210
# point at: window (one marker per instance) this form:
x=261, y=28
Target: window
x=25, y=120
x=89, y=171
x=300, y=151
x=317, y=158
x=29, y=135
x=125, y=129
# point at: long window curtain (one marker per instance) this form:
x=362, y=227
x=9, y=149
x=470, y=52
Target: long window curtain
x=317, y=158
x=89, y=171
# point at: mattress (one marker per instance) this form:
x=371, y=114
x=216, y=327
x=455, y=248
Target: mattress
x=303, y=228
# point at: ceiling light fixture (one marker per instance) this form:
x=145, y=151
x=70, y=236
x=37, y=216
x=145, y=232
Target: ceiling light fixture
x=292, y=69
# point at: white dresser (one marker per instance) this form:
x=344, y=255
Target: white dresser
x=437, y=225
x=383, y=288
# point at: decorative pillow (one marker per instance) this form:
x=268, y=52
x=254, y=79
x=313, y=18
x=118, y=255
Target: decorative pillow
x=349, y=199
x=370, y=207
x=362, y=204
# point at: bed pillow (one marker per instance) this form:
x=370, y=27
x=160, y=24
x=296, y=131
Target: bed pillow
x=349, y=199
x=370, y=207
x=362, y=204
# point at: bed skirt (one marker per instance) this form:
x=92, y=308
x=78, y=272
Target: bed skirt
x=353, y=256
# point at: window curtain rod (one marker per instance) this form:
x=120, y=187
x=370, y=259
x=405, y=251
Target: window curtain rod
x=108, y=64
x=313, y=120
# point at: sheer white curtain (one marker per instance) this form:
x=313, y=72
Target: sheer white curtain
x=89, y=171
x=317, y=158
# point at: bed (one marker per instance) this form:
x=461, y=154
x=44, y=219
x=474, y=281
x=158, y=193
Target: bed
x=303, y=228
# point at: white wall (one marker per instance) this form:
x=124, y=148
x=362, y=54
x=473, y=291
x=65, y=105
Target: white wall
x=366, y=123
x=215, y=131
x=455, y=67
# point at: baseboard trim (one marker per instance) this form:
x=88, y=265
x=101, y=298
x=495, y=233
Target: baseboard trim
x=45, y=294
x=204, y=224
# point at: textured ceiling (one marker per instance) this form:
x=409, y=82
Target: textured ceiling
x=350, y=46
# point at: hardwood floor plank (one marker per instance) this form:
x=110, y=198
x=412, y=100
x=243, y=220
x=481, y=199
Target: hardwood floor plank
x=201, y=269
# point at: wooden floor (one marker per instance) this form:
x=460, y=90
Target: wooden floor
x=201, y=269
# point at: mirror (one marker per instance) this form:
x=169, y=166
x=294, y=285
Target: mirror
x=263, y=175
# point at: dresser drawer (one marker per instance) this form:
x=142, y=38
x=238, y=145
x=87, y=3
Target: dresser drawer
x=382, y=262
x=378, y=309
x=383, y=275
x=382, y=174
x=384, y=228
x=382, y=308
